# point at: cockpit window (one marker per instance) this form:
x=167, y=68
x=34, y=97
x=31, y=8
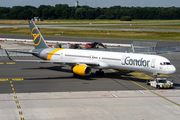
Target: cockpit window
x=165, y=63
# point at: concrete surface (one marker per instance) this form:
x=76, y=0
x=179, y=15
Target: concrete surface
x=97, y=105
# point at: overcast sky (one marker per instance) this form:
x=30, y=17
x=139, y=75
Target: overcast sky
x=93, y=3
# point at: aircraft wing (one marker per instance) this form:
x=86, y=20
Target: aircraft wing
x=55, y=62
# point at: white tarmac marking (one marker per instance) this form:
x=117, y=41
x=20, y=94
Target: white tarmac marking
x=114, y=95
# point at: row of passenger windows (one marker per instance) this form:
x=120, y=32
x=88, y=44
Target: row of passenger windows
x=105, y=58
x=77, y=56
x=111, y=58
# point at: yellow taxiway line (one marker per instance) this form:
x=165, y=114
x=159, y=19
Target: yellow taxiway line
x=147, y=89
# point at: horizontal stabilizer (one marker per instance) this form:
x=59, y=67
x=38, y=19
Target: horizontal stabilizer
x=34, y=53
x=8, y=55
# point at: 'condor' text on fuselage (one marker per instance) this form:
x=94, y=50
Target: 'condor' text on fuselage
x=136, y=62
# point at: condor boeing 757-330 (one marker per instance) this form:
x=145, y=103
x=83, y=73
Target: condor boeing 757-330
x=82, y=61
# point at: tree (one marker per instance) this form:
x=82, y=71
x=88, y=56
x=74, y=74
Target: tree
x=97, y=12
x=85, y=12
x=80, y=13
x=90, y=14
x=64, y=14
x=72, y=12
x=58, y=12
x=102, y=17
x=126, y=18
x=51, y=12
x=4, y=11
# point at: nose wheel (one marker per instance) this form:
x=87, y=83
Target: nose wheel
x=155, y=75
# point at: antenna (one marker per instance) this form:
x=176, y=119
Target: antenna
x=76, y=3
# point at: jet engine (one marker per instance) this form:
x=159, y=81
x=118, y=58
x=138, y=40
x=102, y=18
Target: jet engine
x=82, y=70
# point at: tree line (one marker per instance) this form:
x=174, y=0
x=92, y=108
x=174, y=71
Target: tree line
x=63, y=11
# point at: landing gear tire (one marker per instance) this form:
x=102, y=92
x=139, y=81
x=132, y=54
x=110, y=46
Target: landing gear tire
x=100, y=72
x=158, y=87
x=147, y=82
x=155, y=76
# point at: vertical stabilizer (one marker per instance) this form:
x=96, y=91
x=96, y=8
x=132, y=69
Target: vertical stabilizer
x=38, y=39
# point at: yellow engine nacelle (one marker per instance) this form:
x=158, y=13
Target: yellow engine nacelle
x=82, y=70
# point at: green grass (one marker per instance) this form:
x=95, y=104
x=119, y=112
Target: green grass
x=97, y=21
x=170, y=26
x=138, y=35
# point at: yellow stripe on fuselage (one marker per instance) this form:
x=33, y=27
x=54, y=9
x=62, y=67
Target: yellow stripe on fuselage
x=52, y=53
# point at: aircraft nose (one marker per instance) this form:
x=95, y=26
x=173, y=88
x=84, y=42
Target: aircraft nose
x=172, y=69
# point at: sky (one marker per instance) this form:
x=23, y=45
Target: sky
x=93, y=3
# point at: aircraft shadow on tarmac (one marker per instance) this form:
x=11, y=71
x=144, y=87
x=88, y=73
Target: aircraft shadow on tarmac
x=127, y=77
x=93, y=76
x=53, y=68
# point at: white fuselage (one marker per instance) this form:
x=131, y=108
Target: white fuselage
x=112, y=60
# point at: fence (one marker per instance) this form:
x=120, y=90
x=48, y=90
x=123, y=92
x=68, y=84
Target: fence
x=146, y=50
x=145, y=44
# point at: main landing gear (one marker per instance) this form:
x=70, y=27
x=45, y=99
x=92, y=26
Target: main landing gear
x=100, y=72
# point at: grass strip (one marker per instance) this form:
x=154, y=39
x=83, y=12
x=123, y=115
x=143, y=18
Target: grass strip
x=170, y=26
x=137, y=35
x=97, y=21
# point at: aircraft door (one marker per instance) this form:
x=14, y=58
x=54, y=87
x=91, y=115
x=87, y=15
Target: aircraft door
x=61, y=55
x=153, y=63
x=123, y=60
x=93, y=57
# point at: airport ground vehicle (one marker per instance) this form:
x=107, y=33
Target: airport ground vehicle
x=94, y=45
x=70, y=46
x=160, y=83
x=79, y=46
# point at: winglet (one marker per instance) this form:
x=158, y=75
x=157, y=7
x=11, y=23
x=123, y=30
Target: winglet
x=8, y=55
